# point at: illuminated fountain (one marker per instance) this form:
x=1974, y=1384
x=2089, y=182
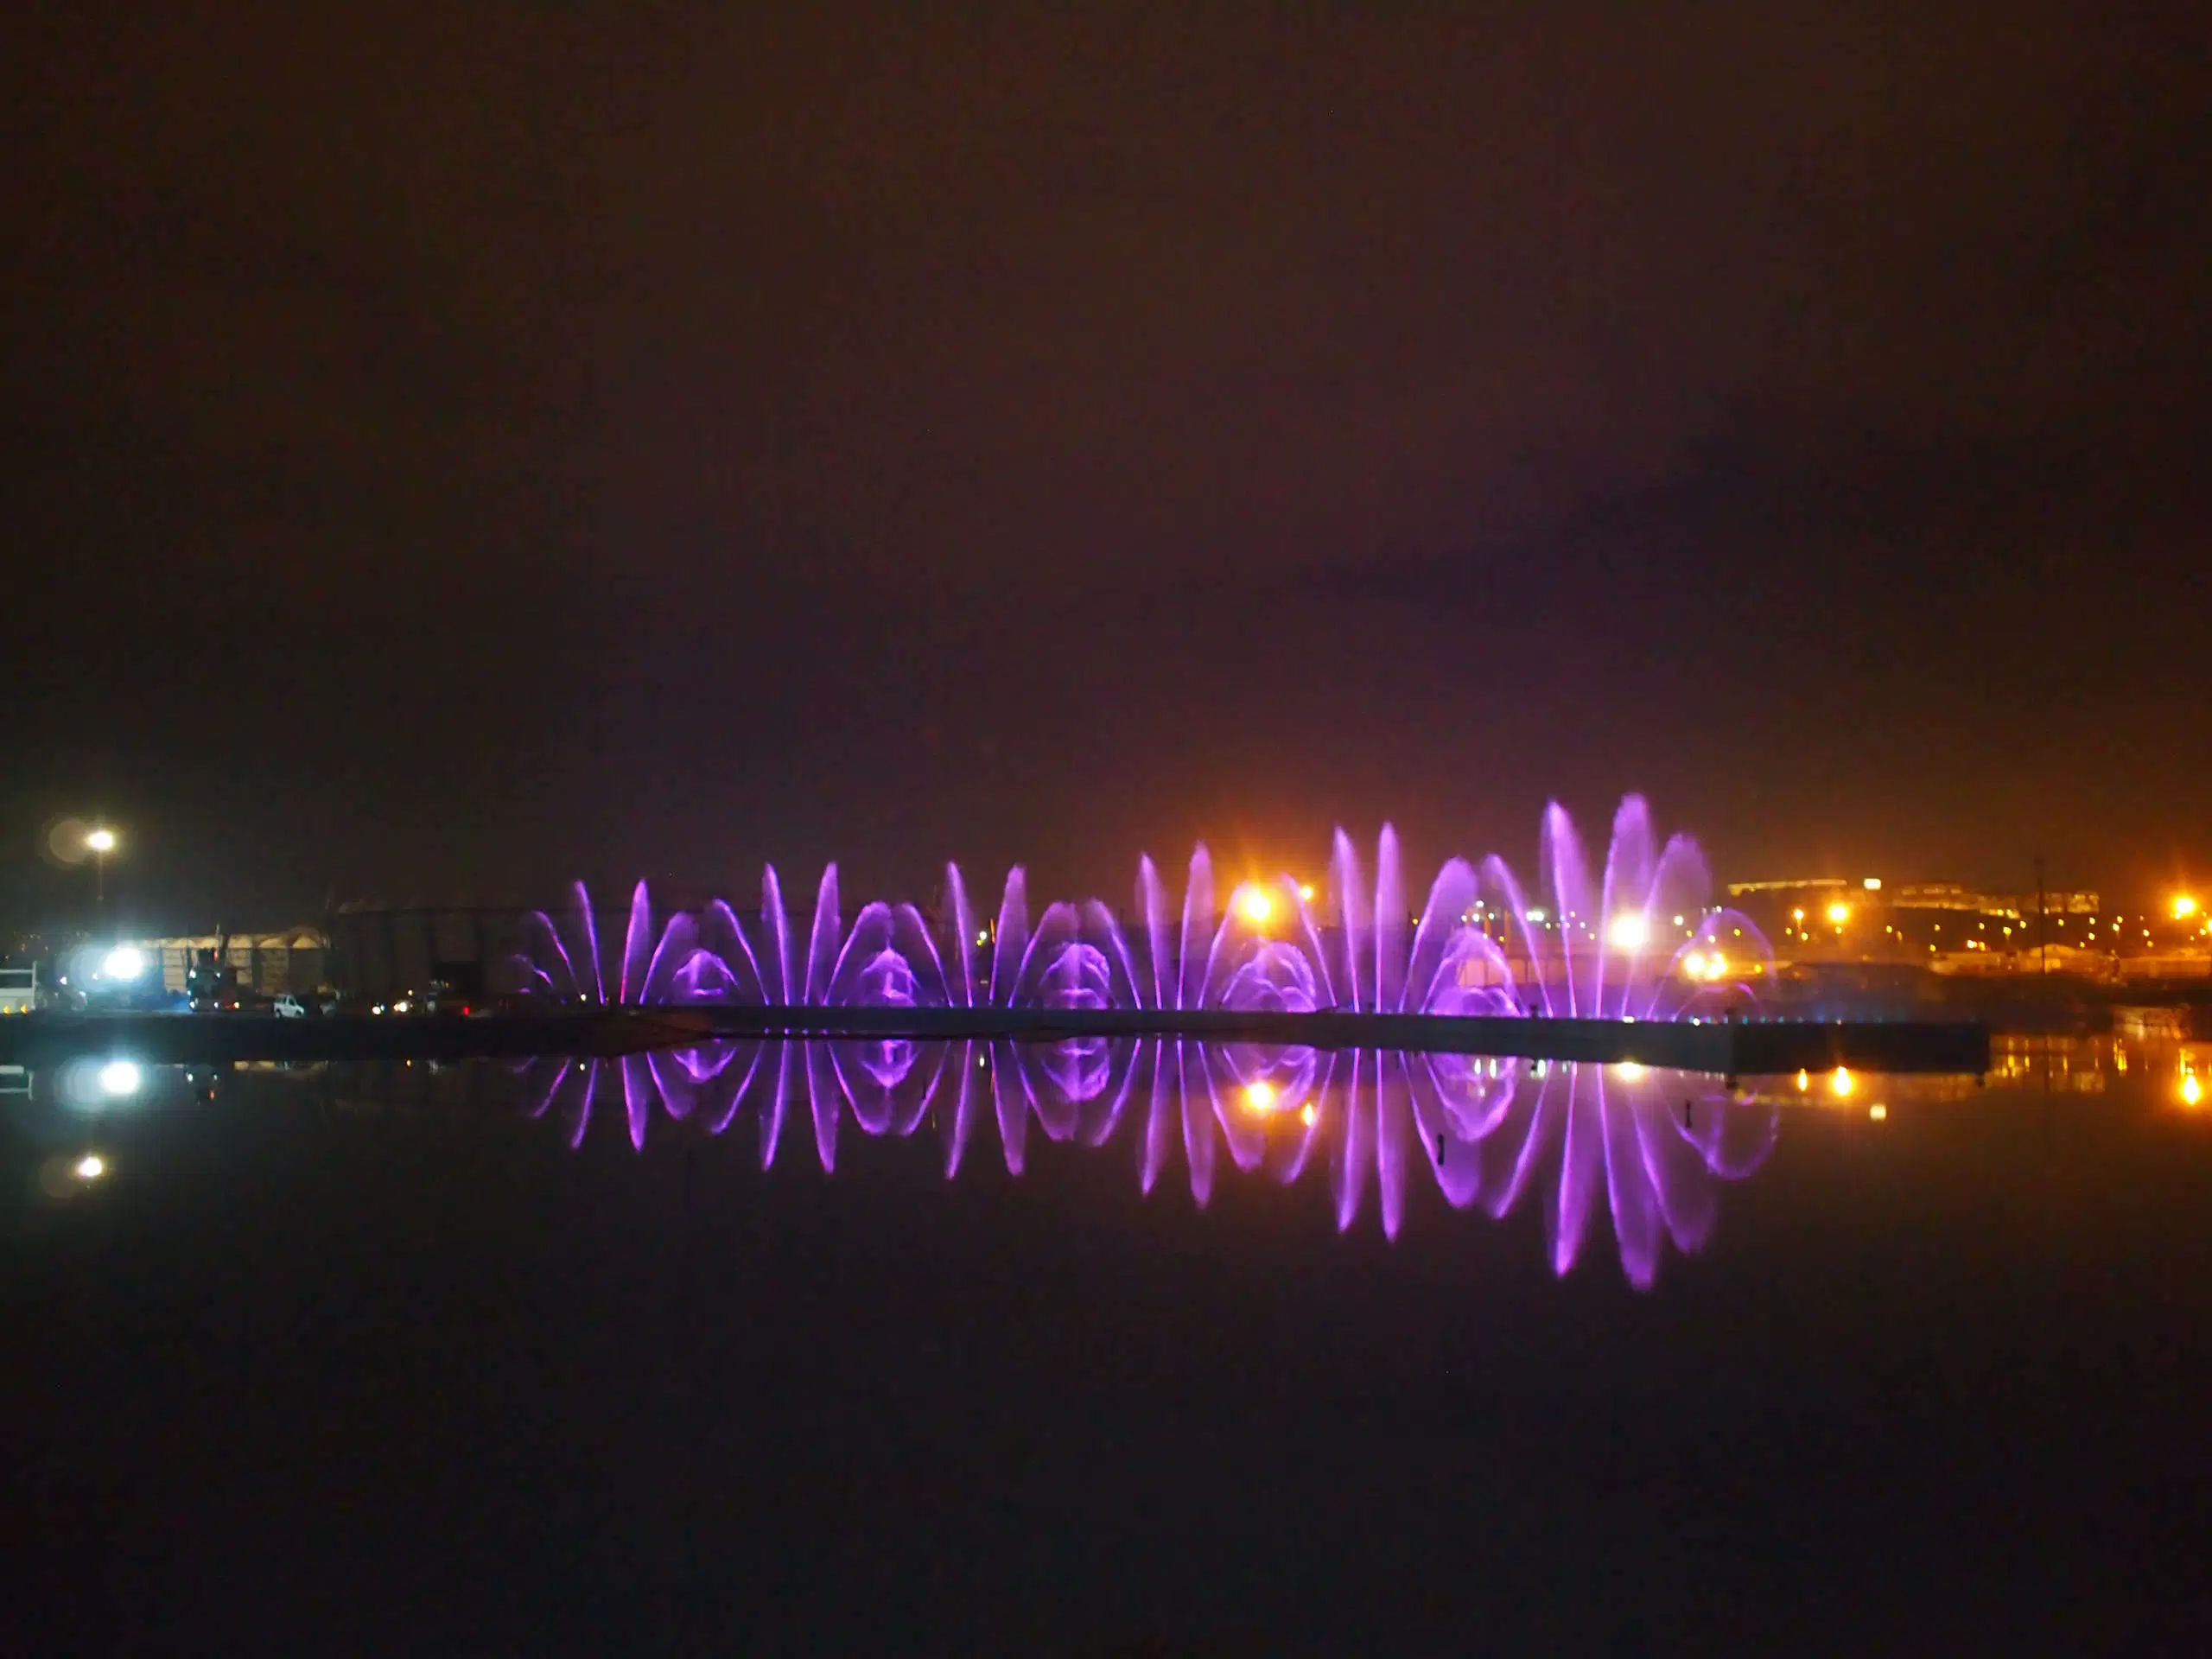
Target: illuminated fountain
x=1634, y=939
x=1648, y=1148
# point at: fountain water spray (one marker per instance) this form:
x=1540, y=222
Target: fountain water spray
x=1636, y=940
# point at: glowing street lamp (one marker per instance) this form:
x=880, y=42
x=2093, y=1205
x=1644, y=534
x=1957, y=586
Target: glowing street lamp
x=1256, y=906
x=1631, y=931
x=100, y=841
x=1839, y=912
x=2184, y=906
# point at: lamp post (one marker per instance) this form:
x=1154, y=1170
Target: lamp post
x=2184, y=908
x=102, y=842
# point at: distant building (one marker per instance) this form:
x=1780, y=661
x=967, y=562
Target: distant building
x=295, y=959
x=1945, y=926
x=1820, y=883
x=1949, y=895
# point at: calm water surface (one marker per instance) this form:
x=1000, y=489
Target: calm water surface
x=478, y=1359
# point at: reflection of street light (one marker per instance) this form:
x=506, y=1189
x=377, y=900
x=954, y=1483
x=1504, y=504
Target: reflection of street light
x=120, y=1077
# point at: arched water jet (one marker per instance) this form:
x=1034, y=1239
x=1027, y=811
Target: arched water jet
x=1641, y=942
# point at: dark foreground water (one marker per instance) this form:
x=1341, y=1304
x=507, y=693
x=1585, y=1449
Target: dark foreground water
x=359, y=1361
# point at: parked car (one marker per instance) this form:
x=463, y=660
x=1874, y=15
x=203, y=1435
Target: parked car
x=288, y=1006
x=448, y=1000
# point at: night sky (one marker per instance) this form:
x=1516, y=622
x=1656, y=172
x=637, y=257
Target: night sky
x=450, y=448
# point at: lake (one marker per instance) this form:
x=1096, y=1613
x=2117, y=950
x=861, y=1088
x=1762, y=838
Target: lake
x=476, y=1358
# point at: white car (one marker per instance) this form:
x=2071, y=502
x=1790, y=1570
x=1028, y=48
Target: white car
x=289, y=1006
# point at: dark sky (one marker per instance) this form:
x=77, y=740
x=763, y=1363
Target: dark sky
x=451, y=448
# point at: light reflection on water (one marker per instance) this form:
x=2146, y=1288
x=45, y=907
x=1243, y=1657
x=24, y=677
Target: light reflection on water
x=1647, y=1146
x=1643, y=1152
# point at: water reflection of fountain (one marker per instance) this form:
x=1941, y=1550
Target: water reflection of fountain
x=1650, y=1146
x=1635, y=939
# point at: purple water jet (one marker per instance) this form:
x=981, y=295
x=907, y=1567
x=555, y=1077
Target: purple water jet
x=1638, y=940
